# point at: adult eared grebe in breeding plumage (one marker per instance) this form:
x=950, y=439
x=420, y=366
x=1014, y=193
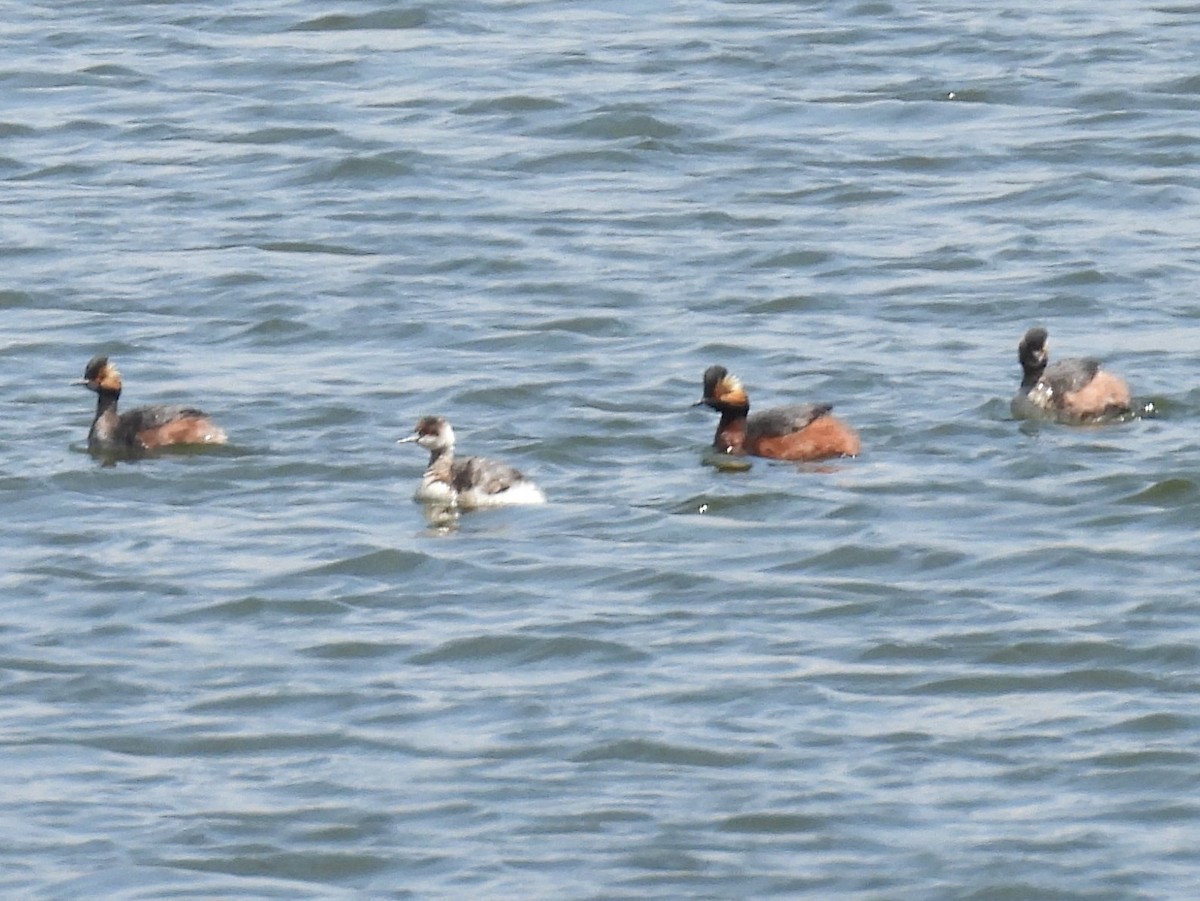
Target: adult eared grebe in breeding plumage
x=1073, y=390
x=796, y=432
x=469, y=481
x=146, y=428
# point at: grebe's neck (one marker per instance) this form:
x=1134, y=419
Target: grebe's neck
x=732, y=428
x=106, y=400
x=441, y=459
x=105, y=425
x=1033, y=372
x=730, y=415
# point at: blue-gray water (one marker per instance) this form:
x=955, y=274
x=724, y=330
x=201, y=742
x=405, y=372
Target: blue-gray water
x=963, y=666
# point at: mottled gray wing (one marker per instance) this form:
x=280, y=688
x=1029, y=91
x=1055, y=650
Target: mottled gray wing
x=482, y=474
x=783, y=420
x=152, y=417
x=1066, y=376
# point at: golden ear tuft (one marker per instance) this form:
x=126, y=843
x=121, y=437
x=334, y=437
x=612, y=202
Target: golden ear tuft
x=729, y=390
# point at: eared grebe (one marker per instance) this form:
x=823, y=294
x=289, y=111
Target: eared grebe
x=470, y=481
x=145, y=428
x=796, y=432
x=1075, y=390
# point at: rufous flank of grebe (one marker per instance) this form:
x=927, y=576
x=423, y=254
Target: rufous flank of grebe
x=1072, y=390
x=144, y=429
x=801, y=432
x=466, y=482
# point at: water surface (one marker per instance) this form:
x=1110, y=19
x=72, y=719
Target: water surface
x=961, y=666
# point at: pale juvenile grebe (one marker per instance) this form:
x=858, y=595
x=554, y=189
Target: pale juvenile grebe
x=144, y=429
x=469, y=481
x=1073, y=390
x=797, y=432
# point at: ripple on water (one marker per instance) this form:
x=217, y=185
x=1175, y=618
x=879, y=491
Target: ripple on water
x=384, y=20
x=659, y=753
x=1169, y=492
x=381, y=562
x=521, y=650
x=779, y=823
x=256, y=608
